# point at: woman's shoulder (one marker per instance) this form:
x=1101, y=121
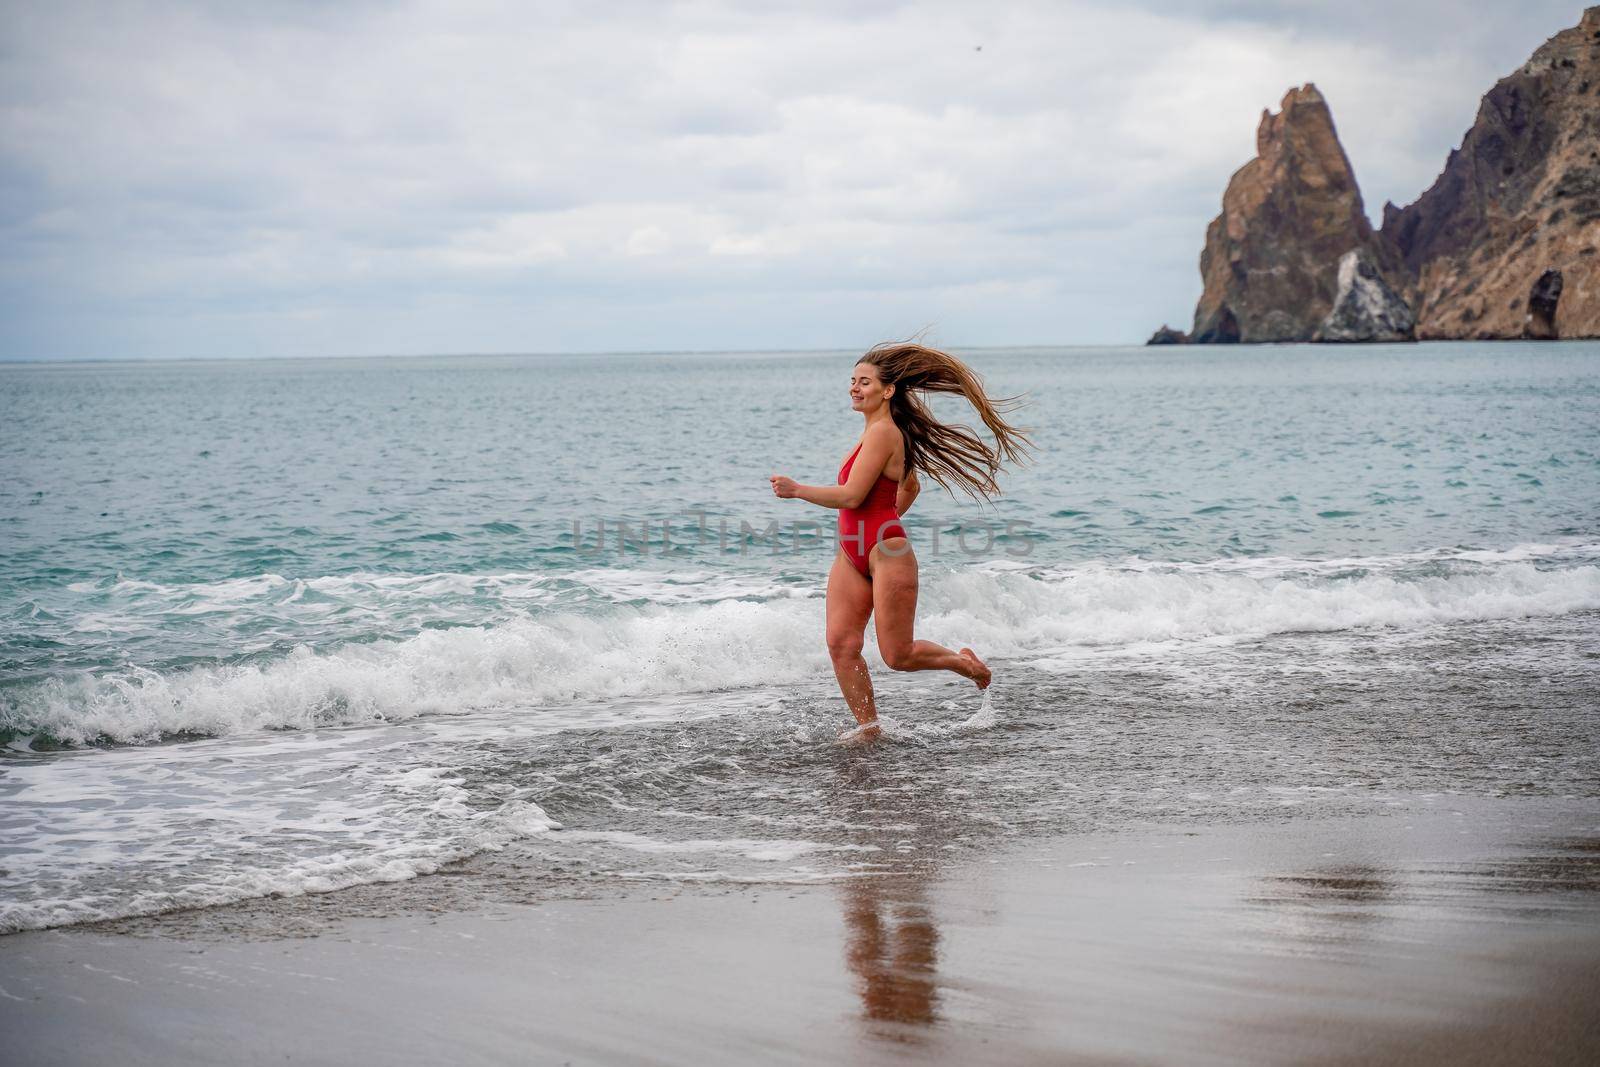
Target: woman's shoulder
x=888, y=435
x=883, y=431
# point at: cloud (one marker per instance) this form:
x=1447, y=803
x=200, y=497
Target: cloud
x=194, y=179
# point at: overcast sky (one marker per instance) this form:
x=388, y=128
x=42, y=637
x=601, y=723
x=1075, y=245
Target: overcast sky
x=279, y=179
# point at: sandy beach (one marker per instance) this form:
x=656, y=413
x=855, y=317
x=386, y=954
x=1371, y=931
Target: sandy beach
x=1452, y=930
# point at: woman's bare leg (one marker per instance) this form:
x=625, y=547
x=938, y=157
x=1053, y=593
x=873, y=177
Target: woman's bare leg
x=849, y=607
x=894, y=592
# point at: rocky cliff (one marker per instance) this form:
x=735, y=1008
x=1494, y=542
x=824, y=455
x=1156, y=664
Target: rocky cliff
x=1506, y=242
x=1271, y=259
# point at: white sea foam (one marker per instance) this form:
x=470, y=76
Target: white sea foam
x=320, y=874
x=627, y=652
x=545, y=659
x=111, y=833
x=1021, y=612
x=771, y=851
x=124, y=831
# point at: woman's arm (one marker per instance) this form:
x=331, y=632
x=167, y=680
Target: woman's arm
x=909, y=488
x=876, y=448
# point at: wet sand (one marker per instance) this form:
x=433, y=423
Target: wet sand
x=1456, y=932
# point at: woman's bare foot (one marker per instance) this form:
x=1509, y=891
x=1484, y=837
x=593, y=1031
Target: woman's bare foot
x=980, y=670
x=860, y=735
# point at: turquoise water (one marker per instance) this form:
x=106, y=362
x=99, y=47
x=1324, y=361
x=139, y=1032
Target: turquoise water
x=371, y=616
x=179, y=472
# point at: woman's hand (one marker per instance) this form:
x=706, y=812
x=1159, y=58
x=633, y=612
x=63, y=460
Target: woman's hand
x=784, y=488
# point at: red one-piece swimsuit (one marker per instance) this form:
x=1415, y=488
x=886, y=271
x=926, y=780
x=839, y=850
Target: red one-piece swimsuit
x=875, y=520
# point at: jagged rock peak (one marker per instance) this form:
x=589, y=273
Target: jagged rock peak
x=1271, y=259
x=1270, y=129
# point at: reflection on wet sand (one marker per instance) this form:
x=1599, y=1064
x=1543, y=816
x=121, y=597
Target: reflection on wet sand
x=1355, y=885
x=1338, y=908
x=1343, y=896
x=1351, y=903
x=892, y=949
x=1569, y=863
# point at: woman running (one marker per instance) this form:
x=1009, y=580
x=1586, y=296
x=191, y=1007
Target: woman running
x=875, y=568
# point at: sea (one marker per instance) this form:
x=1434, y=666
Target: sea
x=278, y=627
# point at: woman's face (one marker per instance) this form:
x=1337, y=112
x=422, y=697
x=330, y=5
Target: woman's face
x=867, y=390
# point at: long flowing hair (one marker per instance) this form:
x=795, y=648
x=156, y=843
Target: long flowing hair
x=952, y=455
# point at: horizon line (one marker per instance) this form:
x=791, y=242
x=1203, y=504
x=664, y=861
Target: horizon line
x=5, y=360
x=8, y=362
